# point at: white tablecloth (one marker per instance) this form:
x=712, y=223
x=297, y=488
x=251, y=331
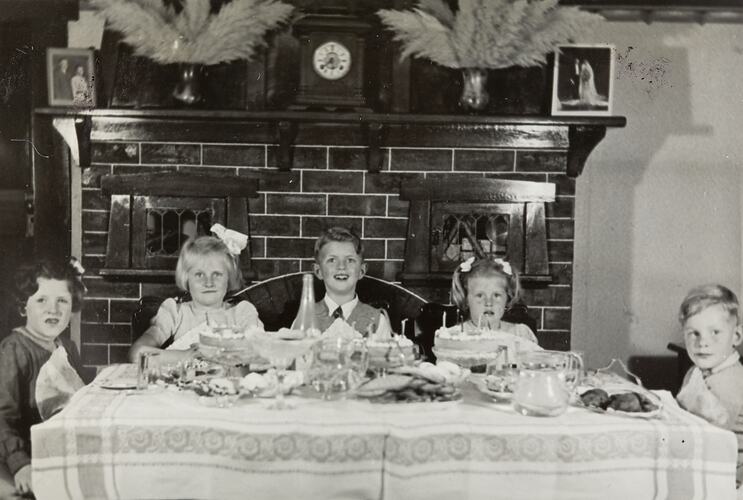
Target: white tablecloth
x=113, y=444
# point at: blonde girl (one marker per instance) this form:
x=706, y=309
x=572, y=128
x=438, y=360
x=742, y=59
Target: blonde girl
x=207, y=269
x=483, y=289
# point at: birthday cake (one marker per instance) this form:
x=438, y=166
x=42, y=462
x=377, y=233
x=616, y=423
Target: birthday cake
x=387, y=350
x=480, y=346
x=228, y=338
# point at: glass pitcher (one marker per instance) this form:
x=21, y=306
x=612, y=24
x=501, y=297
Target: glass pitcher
x=545, y=382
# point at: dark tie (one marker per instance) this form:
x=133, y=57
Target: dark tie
x=338, y=313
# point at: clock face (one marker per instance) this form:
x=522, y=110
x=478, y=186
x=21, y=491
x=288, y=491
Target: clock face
x=332, y=60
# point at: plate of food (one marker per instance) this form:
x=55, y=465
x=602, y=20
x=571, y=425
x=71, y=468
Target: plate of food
x=634, y=402
x=266, y=385
x=408, y=388
x=617, y=391
x=492, y=386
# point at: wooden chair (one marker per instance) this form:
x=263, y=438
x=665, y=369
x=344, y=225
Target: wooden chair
x=277, y=302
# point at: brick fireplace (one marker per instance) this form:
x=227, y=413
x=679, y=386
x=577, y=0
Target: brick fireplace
x=329, y=183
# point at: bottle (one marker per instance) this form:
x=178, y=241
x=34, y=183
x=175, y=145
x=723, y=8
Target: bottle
x=305, y=320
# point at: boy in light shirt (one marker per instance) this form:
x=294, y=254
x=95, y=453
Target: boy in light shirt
x=713, y=388
x=339, y=263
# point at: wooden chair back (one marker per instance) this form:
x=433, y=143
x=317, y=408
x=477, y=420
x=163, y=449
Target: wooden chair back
x=277, y=302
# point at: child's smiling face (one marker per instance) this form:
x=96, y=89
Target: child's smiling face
x=487, y=297
x=208, y=280
x=340, y=267
x=711, y=336
x=48, y=310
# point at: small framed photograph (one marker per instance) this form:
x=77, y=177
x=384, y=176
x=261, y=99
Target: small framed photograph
x=583, y=80
x=70, y=77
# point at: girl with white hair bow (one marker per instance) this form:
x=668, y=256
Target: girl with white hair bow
x=207, y=269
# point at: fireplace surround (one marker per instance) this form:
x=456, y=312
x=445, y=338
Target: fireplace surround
x=328, y=170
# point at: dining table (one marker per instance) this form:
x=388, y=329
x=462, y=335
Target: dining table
x=165, y=443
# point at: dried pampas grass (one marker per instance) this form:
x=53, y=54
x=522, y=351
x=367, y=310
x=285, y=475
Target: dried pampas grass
x=487, y=33
x=194, y=35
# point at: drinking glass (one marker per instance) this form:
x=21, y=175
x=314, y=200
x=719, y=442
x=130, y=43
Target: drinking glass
x=219, y=321
x=338, y=365
x=329, y=362
x=147, y=369
x=280, y=353
x=358, y=363
x=501, y=377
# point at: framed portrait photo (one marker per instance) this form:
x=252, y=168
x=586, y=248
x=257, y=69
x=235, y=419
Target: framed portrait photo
x=70, y=77
x=583, y=80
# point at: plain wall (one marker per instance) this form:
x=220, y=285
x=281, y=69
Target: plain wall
x=658, y=204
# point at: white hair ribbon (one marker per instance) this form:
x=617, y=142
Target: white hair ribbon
x=466, y=266
x=505, y=265
x=79, y=269
x=235, y=240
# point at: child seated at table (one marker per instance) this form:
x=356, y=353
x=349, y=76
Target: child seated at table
x=38, y=368
x=483, y=289
x=713, y=387
x=207, y=269
x=339, y=263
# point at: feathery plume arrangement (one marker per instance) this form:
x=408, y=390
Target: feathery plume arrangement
x=487, y=33
x=194, y=35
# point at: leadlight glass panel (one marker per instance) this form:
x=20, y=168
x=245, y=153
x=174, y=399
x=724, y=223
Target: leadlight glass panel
x=462, y=231
x=162, y=224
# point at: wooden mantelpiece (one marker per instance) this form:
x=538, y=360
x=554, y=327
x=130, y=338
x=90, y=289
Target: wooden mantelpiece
x=578, y=135
x=63, y=137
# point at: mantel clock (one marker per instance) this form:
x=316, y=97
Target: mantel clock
x=335, y=66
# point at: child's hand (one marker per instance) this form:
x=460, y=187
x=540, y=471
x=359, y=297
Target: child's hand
x=23, y=480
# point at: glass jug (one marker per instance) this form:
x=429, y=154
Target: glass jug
x=545, y=382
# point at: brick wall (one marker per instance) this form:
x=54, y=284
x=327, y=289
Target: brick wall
x=328, y=185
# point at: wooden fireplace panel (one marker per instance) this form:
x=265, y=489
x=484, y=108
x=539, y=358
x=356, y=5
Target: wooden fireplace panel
x=521, y=201
x=143, y=203
x=145, y=238
x=474, y=238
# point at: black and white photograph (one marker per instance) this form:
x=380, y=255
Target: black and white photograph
x=371, y=249
x=71, y=77
x=583, y=80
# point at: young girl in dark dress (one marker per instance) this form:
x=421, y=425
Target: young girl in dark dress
x=38, y=368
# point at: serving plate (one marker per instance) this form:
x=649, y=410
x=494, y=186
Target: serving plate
x=624, y=388
x=616, y=378
x=481, y=384
x=118, y=384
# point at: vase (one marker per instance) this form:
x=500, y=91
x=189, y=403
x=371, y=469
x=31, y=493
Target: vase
x=190, y=83
x=474, y=90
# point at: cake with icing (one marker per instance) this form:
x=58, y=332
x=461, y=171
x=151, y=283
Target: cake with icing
x=228, y=338
x=341, y=329
x=388, y=350
x=479, y=346
x=480, y=340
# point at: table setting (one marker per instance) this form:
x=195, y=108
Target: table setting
x=421, y=430
x=336, y=414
